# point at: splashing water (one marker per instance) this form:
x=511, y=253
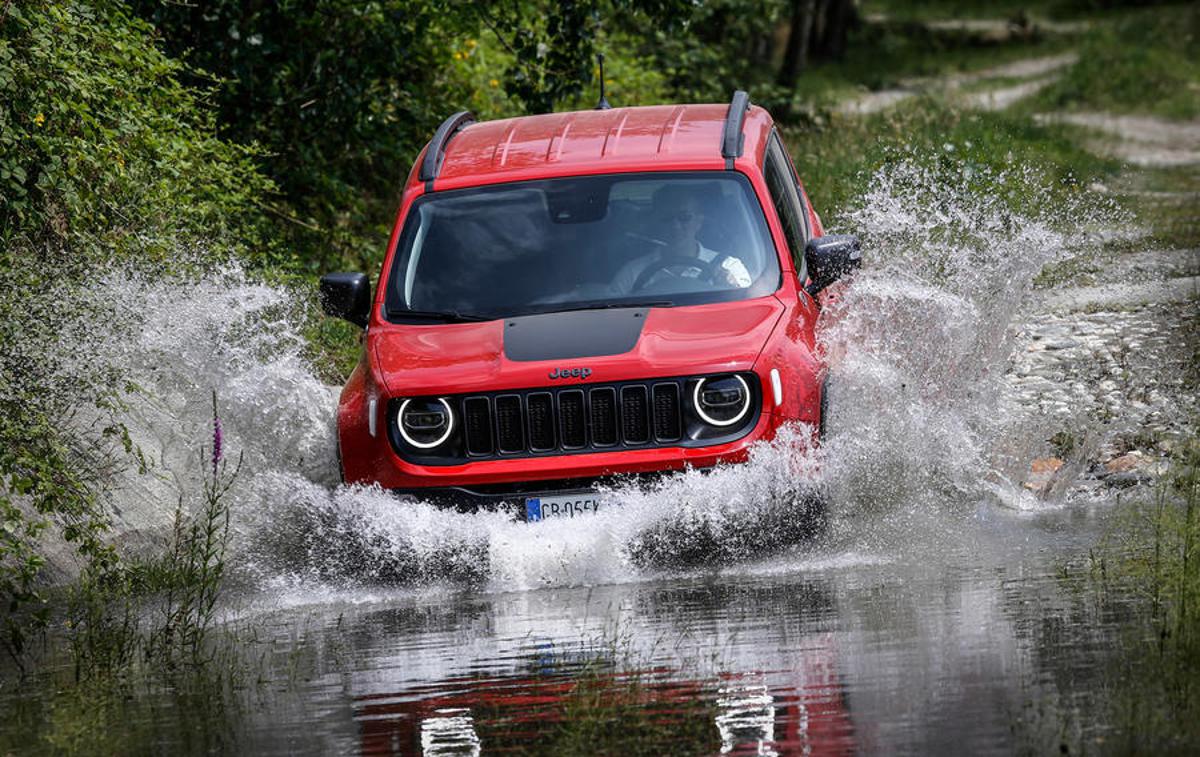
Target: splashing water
x=919, y=342
x=920, y=422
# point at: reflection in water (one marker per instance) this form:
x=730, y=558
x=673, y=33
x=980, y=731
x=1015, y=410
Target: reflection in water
x=799, y=655
x=747, y=718
x=449, y=731
x=914, y=655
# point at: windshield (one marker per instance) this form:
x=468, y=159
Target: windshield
x=580, y=242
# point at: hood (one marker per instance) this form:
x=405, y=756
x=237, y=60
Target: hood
x=586, y=346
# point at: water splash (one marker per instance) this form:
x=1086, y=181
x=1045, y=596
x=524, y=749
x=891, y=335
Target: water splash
x=919, y=344
x=920, y=425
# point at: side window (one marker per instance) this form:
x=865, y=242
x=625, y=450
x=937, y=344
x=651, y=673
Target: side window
x=786, y=198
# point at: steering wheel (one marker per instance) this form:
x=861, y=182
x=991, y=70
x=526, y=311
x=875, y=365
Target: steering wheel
x=666, y=264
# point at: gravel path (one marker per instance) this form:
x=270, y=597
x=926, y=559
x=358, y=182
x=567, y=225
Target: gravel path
x=1040, y=71
x=1141, y=140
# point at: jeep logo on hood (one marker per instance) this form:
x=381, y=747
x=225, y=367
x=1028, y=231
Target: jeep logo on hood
x=562, y=373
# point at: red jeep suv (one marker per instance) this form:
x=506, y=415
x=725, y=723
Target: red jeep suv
x=573, y=297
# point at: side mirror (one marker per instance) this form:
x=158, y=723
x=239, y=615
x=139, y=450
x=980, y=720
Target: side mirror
x=347, y=295
x=829, y=258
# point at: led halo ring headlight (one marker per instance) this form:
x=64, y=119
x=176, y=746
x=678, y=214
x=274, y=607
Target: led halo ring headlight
x=426, y=444
x=698, y=404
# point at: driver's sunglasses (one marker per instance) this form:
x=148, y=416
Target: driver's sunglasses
x=683, y=216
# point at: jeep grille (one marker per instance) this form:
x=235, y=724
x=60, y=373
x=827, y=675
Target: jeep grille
x=571, y=419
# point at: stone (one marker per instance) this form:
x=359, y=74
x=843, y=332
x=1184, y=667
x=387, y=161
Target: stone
x=1125, y=463
x=1042, y=472
x=1127, y=478
x=1046, y=464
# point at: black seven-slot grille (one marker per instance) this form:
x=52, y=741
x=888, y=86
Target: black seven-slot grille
x=578, y=418
x=572, y=419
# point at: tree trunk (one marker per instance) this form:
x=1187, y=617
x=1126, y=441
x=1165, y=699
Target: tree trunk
x=795, y=55
x=834, y=22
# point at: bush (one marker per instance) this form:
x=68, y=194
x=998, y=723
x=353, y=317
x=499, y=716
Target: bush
x=104, y=157
x=102, y=151
x=342, y=95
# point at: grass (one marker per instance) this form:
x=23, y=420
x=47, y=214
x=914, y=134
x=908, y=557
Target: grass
x=880, y=58
x=1145, y=61
x=1154, y=552
x=602, y=698
x=955, y=9
x=334, y=346
x=144, y=710
x=836, y=157
x=608, y=712
x=1167, y=202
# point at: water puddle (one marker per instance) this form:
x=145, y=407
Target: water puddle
x=931, y=612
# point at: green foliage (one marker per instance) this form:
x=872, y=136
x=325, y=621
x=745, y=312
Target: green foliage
x=101, y=147
x=552, y=46
x=41, y=482
x=714, y=49
x=551, y=50
x=340, y=94
x=343, y=95
x=104, y=156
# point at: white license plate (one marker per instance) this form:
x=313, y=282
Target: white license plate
x=561, y=506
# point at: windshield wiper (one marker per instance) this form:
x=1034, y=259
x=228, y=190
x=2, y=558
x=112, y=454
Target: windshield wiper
x=448, y=316
x=605, y=306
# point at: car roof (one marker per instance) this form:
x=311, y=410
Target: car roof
x=660, y=137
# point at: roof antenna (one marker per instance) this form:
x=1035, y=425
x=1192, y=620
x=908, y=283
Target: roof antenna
x=603, y=104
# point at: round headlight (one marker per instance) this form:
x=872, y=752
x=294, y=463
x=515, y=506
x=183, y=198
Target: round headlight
x=425, y=423
x=721, y=401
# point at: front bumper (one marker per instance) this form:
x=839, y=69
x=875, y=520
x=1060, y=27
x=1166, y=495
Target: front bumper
x=510, y=498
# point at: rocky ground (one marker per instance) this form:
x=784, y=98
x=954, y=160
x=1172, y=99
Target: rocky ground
x=1114, y=379
x=1109, y=354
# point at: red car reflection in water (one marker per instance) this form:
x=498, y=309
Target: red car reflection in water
x=470, y=715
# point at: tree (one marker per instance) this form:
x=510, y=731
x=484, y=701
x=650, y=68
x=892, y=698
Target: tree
x=341, y=94
x=818, y=31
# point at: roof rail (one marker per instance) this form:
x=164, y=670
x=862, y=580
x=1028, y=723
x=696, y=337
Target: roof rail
x=732, y=140
x=436, y=152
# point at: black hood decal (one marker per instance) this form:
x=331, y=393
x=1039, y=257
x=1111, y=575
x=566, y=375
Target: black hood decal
x=574, y=334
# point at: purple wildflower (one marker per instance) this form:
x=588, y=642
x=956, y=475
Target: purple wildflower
x=218, y=438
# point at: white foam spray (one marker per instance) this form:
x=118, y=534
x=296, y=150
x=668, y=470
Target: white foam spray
x=920, y=425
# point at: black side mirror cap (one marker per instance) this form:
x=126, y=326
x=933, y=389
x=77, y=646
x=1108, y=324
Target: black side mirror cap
x=348, y=296
x=830, y=258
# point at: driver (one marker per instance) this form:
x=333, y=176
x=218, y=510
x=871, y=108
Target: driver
x=680, y=215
